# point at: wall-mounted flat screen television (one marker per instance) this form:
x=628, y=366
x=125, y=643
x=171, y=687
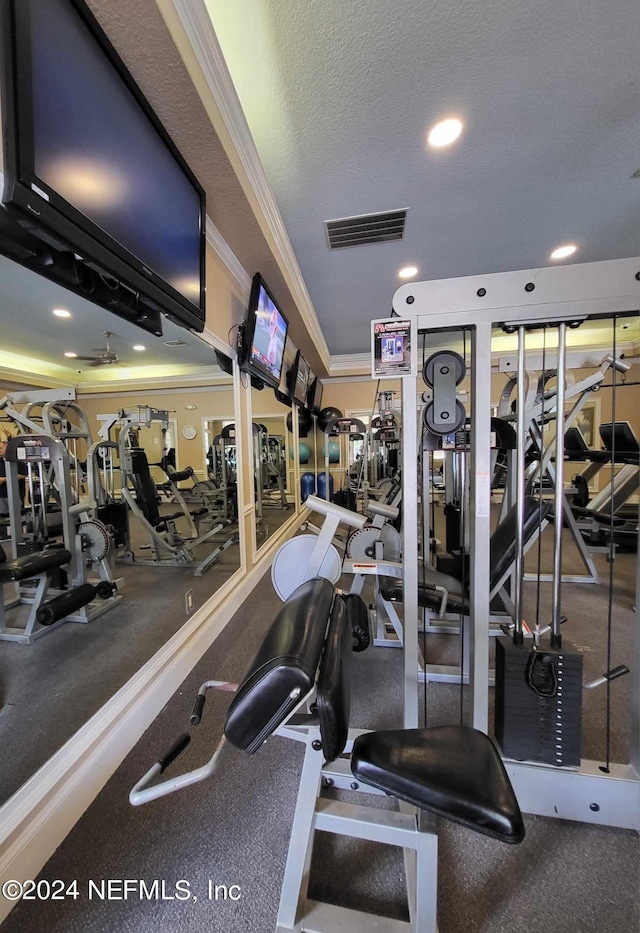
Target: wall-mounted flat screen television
x=314, y=398
x=89, y=167
x=265, y=335
x=299, y=380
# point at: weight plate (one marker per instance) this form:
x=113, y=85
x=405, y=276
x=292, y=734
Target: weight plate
x=289, y=568
x=447, y=357
x=361, y=541
x=97, y=540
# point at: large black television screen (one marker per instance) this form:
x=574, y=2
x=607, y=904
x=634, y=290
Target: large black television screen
x=265, y=335
x=88, y=162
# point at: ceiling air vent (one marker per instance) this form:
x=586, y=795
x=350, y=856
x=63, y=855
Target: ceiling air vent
x=368, y=228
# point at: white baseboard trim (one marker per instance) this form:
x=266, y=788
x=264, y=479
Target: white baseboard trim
x=38, y=817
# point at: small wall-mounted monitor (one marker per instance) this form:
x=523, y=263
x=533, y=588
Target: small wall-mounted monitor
x=299, y=380
x=265, y=335
x=314, y=396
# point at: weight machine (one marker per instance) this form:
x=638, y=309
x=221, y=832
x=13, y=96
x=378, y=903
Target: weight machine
x=67, y=551
x=268, y=472
x=168, y=545
x=590, y=792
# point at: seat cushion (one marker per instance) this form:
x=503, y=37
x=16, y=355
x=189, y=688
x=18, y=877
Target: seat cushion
x=284, y=669
x=453, y=771
x=30, y=565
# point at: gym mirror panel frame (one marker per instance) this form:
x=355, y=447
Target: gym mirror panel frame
x=275, y=471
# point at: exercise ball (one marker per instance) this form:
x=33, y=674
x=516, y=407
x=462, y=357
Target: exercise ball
x=304, y=422
x=327, y=415
x=304, y=452
x=322, y=486
x=307, y=485
x=334, y=452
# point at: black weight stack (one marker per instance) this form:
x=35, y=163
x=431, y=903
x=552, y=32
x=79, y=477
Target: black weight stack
x=534, y=727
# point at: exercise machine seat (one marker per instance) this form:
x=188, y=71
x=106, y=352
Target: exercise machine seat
x=452, y=771
x=31, y=565
x=147, y=491
x=503, y=555
x=333, y=697
x=284, y=669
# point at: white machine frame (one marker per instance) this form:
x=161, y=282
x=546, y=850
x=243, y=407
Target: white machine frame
x=480, y=303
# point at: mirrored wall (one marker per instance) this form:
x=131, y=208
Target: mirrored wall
x=274, y=465
x=125, y=488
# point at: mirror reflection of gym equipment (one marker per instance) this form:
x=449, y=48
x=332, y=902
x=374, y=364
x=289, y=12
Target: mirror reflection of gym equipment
x=64, y=566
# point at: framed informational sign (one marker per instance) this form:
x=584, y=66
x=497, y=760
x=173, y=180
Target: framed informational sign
x=393, y=348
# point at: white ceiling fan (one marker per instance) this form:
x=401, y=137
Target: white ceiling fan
x=104, y=356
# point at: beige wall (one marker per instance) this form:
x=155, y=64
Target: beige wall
x=210, y=404
x=226, y=304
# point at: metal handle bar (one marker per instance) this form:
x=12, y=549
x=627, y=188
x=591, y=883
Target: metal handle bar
x=330, y=510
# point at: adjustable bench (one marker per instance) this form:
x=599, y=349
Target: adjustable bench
x=298, y=686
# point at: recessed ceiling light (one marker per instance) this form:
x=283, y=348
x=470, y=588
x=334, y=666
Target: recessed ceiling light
x=445, y=132
x=61, y=312
x=71, y=354
x=408, y=272
x=139, y=347
x=563, y=251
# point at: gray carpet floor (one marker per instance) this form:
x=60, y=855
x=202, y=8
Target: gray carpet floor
x=234, y=829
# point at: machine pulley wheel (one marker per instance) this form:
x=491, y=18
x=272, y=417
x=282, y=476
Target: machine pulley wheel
x=96, y=540
x=430, y=424
x=451, y=359
x=289, y=568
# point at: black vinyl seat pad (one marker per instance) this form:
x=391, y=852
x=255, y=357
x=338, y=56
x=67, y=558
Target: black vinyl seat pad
x=452, y=771
x=32, y=565
x=286, y=662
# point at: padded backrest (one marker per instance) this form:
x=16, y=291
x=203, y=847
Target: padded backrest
x=503, y=539
x=284, y=669
x=146, y=492
x=333, y=697
x=574, y=441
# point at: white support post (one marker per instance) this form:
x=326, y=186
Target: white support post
x=480, y=523
x=410, y=549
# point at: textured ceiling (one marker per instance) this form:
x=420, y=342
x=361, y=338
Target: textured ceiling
x=339, y=96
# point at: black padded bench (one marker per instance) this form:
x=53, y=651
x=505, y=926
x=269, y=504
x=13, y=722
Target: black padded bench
x=38, y=566
x=454, y=772
x=31, y=565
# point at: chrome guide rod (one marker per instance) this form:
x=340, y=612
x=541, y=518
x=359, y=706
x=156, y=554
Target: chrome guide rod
x=556, y=637
x=518, y=637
